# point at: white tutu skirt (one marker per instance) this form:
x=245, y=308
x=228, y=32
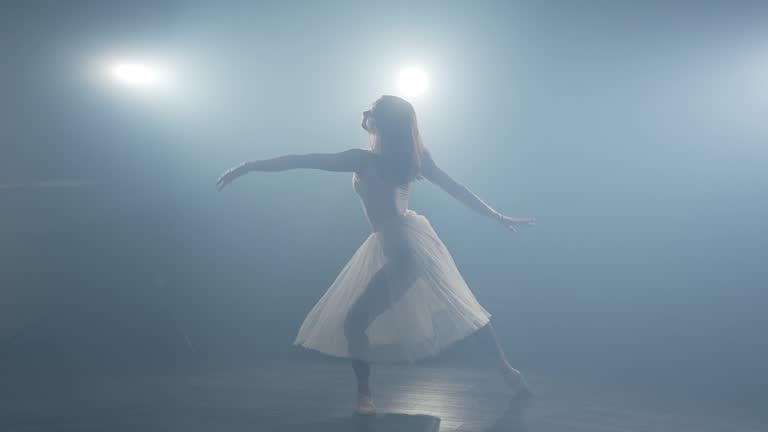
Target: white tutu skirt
x=414, y=307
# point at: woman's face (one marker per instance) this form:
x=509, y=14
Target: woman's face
x=367, y=122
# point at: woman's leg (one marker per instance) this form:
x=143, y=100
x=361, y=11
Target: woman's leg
x=387, y=285
x=513, y=376
x=359, y=318
x=489, y=335
x=363, y=373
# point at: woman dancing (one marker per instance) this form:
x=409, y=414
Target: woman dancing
x=400, y=296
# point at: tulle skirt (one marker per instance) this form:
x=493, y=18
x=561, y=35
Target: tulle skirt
x=399, y=298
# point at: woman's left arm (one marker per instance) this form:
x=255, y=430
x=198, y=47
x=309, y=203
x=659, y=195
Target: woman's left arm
x=347, y=161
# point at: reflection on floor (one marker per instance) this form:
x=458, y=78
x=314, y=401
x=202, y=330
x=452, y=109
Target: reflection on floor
x=382, y=423
x=319, y=397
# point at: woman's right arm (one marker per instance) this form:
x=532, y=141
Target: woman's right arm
x=351, y=160
x=436, y=175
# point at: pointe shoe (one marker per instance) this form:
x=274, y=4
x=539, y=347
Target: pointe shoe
x=517, y=383
x=365, y=406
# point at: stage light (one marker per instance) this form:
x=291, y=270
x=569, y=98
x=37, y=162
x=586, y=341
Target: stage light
x=136, y=74
x=413, y=81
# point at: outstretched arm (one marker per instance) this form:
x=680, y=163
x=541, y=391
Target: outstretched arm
x=346, y=161
x=436, y=175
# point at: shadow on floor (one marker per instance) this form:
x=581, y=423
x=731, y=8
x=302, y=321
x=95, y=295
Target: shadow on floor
x=388, y=422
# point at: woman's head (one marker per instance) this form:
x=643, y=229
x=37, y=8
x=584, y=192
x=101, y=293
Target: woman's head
x=391, y=123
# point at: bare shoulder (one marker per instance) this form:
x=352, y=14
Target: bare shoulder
x=360, y=153
x=358, y=158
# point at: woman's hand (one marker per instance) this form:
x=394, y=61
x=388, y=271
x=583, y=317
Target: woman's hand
x=512, y=223
x=230, y=175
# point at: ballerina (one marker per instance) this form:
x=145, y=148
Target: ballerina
x=400, y=297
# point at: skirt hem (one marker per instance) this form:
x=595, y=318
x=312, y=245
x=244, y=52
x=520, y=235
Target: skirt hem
x=466, y=334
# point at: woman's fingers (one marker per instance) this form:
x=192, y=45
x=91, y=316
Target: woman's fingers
x=224, y=180
x=511, y=223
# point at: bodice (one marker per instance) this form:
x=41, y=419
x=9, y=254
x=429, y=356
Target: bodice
x=381, y=201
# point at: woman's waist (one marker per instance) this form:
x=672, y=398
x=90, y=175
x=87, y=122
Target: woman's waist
x=383, y=223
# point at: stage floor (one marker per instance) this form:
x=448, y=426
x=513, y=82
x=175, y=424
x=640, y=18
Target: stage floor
x=319, y=397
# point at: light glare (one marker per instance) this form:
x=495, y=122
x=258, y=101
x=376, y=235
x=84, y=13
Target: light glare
x=136, y=74
x=413, y=81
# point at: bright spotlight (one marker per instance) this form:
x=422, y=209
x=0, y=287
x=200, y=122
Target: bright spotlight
x=136, y=74
x=413, y=81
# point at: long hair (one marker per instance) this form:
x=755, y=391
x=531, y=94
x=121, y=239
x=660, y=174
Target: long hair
x=396, y=139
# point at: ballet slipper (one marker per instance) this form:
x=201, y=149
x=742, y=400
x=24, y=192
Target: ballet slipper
x=517, y=383
x=365, y=406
